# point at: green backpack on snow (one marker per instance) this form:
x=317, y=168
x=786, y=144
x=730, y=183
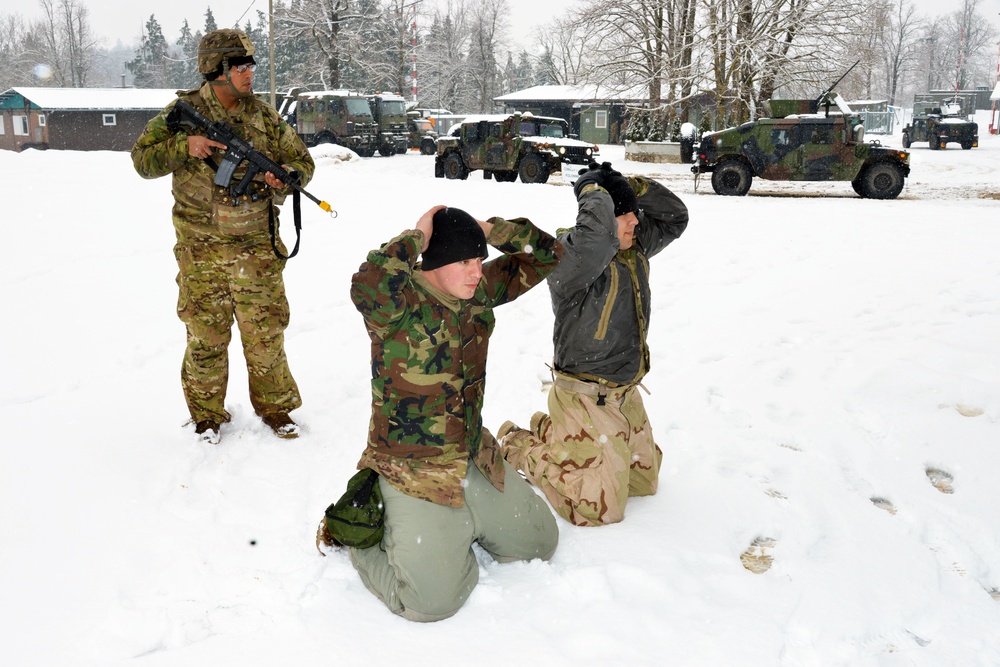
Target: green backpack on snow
x=356, y=520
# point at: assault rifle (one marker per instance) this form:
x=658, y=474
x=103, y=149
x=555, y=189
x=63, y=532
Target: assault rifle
x=185, y=117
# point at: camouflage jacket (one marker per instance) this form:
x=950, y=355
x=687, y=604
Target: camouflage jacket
x=429, y=360
x=201, y=207
x=600, y=294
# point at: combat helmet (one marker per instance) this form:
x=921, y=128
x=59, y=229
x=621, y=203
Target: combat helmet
x=221, y=46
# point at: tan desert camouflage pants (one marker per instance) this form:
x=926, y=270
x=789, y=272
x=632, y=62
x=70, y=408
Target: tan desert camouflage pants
x=220, y=281
x=587, y=458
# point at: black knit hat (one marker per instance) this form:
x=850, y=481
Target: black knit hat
x=622, y=195
x=456, y=237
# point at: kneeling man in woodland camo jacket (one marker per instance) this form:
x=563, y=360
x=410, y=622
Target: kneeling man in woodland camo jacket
x=443, y=480
x=595, y=447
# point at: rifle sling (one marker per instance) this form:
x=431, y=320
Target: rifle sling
x=297, y=217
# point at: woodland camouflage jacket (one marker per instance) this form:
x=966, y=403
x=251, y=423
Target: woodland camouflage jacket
x=201, y=207
x=429, y=360
x=600, y=294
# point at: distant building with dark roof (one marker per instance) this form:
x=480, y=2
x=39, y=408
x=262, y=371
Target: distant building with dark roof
x=83, y=119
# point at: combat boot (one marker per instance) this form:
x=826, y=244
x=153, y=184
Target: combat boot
x=281, y=424
x=208, y=431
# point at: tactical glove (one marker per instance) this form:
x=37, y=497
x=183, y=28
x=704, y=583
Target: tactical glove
x=593, y=173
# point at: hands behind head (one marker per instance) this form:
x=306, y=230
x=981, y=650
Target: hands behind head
x=598, y=174
x=426, y=224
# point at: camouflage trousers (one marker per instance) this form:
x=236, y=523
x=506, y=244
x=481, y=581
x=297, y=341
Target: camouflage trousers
x=219, y=280
x=587, y=458
x=424, y=569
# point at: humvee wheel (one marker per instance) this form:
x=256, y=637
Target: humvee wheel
x=386, y=150
x=966, y=145
x=935, y=142
x=454, y=167
x=906, y=140
x=325, y=138
x=427, y=146
x=533, y=169
x=731, y=178
x=882, y=180
x=856, y=184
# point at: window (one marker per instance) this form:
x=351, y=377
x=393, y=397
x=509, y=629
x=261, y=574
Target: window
x=20, y=126
x=41, y=120
x=2, y=130
x=109, y=119
x=601, y=120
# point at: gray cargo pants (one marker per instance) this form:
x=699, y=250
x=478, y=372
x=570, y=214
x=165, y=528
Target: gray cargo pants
x=424, y=569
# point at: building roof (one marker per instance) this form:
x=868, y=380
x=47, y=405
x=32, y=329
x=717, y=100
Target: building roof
x=87, y=99
x=554, y=93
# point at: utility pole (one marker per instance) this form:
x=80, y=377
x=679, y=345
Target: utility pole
x=270, y=45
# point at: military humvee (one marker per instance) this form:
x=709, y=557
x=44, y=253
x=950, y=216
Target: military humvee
x=939, y=123
x=389, y=111
x=555, y=132
x=334, y=117
x=421, y=133
x=800, y=143
x=498, y=145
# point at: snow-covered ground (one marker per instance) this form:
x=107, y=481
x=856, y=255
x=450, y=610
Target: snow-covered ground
x=819, y=362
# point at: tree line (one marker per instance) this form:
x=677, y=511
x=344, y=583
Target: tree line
x=727, y=57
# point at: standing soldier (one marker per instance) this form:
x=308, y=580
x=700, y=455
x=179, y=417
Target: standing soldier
x=223, y=250
x=595, y=447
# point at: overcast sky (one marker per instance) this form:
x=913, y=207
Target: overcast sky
x=125, y=20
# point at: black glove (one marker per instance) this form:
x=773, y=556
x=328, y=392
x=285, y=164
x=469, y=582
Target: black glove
x=594, y=173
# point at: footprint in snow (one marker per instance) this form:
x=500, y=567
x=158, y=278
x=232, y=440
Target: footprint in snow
x=883, y=504
x=941, y=479
x=968, y=410
x=757, y=558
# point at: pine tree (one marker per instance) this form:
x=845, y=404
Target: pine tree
x=186, y=66
x=150, y=65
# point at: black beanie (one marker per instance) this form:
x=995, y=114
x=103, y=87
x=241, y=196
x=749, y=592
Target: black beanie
x=622, y=195
x=456, y=237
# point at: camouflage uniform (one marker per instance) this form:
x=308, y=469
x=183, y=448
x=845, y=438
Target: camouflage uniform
x=226, y=265
x=596, y=449
x=428, y=379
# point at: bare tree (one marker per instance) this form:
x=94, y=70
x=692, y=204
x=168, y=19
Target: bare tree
x=326, y=25
x=488, y=27
x=15, y=52
x=969, y=40
x=443, y=54
x=564, y=45
x=68, y=40
x=901, y=50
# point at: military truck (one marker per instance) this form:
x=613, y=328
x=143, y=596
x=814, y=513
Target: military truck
x=555, y=132
x=389, y=112
x=804, y=140
x=496, y=145
x=421, y=133
x=940, y=123
x=335, y=117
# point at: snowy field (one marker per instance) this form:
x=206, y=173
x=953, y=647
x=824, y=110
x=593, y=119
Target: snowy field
x=825, y=385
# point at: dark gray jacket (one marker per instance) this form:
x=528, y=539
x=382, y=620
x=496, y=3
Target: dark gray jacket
x=600, y=295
